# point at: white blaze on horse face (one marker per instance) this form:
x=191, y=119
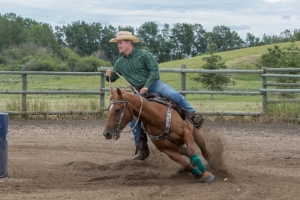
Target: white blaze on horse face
x=111, y=106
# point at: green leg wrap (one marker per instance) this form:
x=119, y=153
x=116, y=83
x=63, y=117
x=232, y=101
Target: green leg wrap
x=198, y=163
x=196, y=171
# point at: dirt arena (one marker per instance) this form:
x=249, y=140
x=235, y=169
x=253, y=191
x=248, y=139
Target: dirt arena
x=49, y=159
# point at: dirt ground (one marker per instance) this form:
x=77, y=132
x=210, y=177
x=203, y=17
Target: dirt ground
x=66, y=159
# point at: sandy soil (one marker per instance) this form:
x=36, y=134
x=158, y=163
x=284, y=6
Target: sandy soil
x=50, y=159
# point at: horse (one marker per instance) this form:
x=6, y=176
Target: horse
x=124, y=106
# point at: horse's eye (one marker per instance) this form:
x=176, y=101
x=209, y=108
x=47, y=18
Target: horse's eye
x=117, y=110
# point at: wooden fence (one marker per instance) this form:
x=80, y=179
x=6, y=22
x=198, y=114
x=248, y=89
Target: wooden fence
x=266, y=74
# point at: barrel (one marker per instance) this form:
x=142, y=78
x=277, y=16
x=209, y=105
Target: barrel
x=3, y=144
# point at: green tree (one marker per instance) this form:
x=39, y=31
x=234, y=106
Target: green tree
x=42, y=35
x=71, y=58
x=91, y=64
x=213, y=82
x=200, y=42
x=296, y=34
x=183, y=39
x=286, y=35
x=44, y=61
x=291, y=56
x=251, y=40
x=272, y=58
x=82, y=38
x=108, y=51
x=165, y=45
x=225, y=39
x=290, y=59
x=283, y=58
x=12, y=30
x=148, y=33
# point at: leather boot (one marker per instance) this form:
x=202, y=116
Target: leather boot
x=142, y=150
x=197, y=120
x=138, y=155
x=194, y=118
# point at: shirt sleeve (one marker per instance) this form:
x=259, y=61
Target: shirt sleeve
x=113, y=76
x=153, y=68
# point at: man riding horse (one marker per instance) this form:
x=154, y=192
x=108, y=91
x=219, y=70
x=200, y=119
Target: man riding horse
x=141, y=70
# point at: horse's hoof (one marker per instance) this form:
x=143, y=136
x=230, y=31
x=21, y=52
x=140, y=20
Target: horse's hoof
x=209, y=178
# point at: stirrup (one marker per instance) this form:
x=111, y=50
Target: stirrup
x=197, y=120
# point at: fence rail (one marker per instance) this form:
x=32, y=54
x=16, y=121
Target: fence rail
x=100, y=89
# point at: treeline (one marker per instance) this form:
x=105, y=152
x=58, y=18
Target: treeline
x=30, y=45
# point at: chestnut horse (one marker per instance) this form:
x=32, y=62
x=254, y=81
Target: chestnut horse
x=124, y=106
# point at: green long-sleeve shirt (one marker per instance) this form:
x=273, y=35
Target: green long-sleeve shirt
x=140, y=69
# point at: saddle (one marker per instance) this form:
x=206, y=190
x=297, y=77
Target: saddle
x=166, y=101
x=195, y=119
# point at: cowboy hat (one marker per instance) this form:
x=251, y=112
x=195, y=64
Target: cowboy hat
x=125, y=35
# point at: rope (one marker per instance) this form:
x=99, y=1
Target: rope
x=141, y=98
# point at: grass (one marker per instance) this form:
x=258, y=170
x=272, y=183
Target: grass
x=40, y=103
x=284, y=112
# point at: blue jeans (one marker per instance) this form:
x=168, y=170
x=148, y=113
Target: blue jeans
x=165, y=91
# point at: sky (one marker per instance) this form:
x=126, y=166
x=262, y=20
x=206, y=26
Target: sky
x=258, y=17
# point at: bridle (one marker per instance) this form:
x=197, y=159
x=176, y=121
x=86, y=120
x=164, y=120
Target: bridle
x=125, y=102
x=124, y=105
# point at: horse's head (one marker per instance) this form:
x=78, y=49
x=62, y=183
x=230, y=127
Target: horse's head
x=119, y=115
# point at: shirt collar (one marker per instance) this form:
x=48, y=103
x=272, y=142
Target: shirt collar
x=131, y=53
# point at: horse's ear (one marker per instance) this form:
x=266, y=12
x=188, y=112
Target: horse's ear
x=119, y=92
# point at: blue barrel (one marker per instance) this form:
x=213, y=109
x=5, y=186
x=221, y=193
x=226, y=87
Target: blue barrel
x=3, y=144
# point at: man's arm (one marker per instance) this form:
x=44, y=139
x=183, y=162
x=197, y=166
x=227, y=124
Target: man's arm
x=153, y=68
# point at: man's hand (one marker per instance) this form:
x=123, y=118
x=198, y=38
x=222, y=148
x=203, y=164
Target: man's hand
x=143, y=90
x=109, y=72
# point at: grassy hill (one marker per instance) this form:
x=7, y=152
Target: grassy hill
x=236, y=59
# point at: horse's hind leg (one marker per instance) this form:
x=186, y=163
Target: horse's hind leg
x=194, y=158
x=175, y=156
x=199, y=140
x=191, y=152
x=198, y=172
x=208, y=177
x=183, y=151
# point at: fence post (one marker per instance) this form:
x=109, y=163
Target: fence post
x=102, y=95
x=264, y=94
x=24, y=89
x=183, y=79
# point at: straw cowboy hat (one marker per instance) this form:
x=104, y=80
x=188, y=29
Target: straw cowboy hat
x=125, y=35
